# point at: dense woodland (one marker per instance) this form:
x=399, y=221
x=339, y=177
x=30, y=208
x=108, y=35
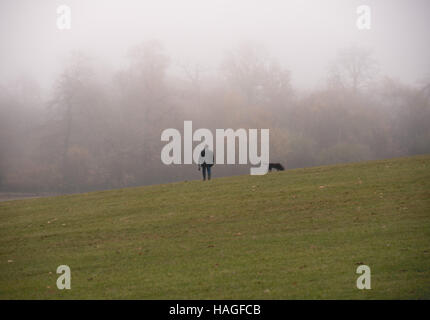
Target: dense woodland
x=100, y=129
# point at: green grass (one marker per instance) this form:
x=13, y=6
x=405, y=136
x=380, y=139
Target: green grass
x=299, y=234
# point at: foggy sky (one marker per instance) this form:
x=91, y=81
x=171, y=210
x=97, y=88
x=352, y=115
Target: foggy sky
x=303, y=35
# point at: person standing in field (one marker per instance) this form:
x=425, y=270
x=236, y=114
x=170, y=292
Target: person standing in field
x=206, y=161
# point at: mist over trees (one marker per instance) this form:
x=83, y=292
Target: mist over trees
x=99, y=130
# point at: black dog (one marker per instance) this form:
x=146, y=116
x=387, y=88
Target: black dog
x=277, y=166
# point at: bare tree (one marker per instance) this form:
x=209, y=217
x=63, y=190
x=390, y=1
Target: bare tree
x=257, y=75
x=74, y=110
x=148, y=64
x=193, y=73
x=353, y=68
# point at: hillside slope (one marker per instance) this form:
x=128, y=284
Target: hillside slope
x=296, y=234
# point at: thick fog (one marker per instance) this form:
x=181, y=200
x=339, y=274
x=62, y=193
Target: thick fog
x=302, y=34
x=83, y=108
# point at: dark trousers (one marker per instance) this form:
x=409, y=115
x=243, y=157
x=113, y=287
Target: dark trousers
x=204, y=168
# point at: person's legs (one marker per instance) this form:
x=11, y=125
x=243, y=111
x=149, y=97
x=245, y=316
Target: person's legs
x=209, y=173
x=204, y=172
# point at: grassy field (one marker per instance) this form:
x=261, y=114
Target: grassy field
x=299, y=234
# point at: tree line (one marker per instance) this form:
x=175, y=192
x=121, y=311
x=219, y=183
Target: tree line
x=98, y=129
